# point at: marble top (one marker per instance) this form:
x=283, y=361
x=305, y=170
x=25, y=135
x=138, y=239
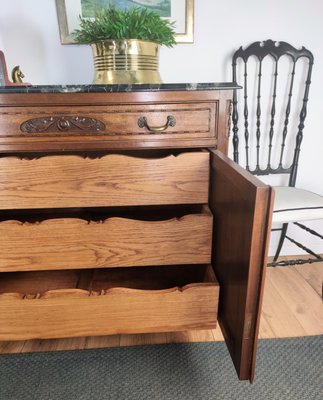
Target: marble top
x=117, y=88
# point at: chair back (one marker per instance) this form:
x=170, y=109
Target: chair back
x=272, y=118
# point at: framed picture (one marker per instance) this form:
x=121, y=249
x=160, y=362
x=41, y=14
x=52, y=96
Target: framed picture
x=180, y=11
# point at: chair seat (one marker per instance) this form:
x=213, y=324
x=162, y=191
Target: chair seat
x=293, y=204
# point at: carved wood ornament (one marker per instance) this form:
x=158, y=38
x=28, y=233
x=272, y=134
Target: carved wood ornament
x=63, y=124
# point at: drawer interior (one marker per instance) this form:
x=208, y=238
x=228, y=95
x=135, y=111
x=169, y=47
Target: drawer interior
x=31, y=284
x=147, y=213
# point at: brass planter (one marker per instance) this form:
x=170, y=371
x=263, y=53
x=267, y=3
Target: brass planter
x=126, y=62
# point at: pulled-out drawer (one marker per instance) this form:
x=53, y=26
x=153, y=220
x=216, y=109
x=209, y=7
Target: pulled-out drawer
x=64, y=243
x=112, y=180
x=53, y=304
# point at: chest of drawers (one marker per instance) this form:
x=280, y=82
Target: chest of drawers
x=121, y=213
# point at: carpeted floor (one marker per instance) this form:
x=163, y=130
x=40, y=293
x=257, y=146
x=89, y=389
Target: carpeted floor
x=286, y=369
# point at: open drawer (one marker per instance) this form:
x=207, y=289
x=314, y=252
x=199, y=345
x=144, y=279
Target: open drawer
x=69, y=303
x=61, y=181
x=104, y=239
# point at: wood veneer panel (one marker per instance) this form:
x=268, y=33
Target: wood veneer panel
x=241, y=205
x=115, y=242
x=113, y=180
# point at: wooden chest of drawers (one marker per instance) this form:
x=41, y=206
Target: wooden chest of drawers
x=120, y=213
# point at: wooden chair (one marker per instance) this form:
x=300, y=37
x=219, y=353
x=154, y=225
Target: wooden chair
x=272, y=123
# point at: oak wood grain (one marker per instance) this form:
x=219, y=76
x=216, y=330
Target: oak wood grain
x=115, y=242
x=113, y=180
x=72, y=312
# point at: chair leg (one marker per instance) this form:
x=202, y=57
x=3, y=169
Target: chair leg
x=281, y=241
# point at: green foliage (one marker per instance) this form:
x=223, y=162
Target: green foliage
x=136, y=23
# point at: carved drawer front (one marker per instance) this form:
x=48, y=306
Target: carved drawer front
x=143, y=124
x=113, y=180
x=114, y=242
x=54, y=304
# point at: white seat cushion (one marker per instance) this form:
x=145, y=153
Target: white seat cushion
x=293, y=204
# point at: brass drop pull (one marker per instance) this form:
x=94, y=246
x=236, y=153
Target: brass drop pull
x=143, y=123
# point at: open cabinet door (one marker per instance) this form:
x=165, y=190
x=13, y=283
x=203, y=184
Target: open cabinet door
x=242, y=208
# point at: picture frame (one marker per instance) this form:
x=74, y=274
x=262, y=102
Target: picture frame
x=68, y=12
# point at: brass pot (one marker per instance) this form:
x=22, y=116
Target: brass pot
x=126, y=62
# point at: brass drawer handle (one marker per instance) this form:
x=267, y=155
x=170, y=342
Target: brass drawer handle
x=143, y=123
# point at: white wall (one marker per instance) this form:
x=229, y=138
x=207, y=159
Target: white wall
x=29, y=37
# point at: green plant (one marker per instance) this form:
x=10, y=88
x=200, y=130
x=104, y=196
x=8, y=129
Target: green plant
x=136, y=23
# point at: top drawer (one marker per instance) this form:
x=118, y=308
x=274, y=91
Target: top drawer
x=129, y=126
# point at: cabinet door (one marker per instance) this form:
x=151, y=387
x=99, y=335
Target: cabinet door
x=242, y=208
